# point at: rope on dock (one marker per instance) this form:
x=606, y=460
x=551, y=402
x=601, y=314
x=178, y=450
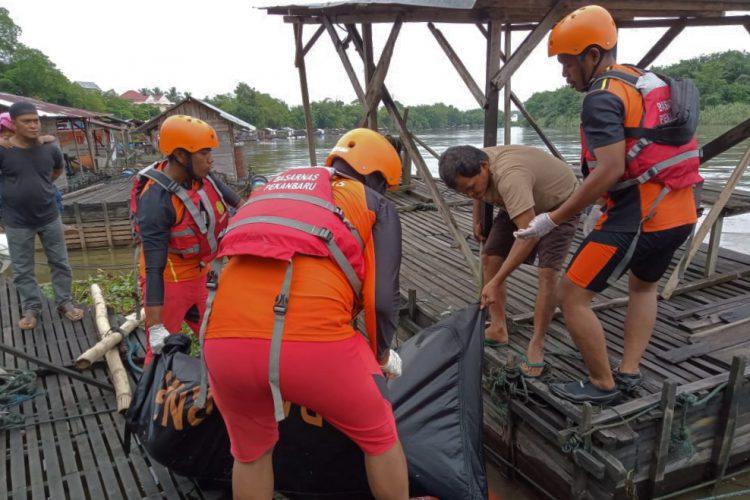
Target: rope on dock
x=16, y=387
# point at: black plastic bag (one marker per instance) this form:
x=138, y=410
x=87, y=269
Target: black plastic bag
x=437, y=403
x=188, y=440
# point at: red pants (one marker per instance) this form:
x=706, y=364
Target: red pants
x=340, y=381
x=179, y=298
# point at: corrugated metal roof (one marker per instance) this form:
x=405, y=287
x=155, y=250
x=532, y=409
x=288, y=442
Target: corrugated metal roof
x=153, y=122
x=47, y=109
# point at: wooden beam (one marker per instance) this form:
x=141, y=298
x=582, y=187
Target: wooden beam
x=90, y=144
x=663, y=437
x=507, y=93
x=79, y=225
x=712, y=254
x=300, y=63
x=375, y=84
x=107, y=227
x=345, y=60
x=458, y=65
x=408, y=142
x=580, y=477
x=369, y=67
x=728, y=420
x=313, y=39
x=725, y=141
x=491, y=111
x=529, y=44
x=726, y=337
x=664, y=23
x=712, y=217
x=661, y=44
x=483, y=29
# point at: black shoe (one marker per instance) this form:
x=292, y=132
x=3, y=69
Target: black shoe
x=583, y=391
x=628, y=383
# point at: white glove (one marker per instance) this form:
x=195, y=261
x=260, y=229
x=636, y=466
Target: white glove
x=157, y=335
x=595, y=213
x=392, y=368
x=539, y=226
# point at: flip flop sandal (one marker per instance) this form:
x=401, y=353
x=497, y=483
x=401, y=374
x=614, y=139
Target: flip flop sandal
x=494, y=344
x=30, y=316
x=70, y=311
x=583, y=391
x=541, y=364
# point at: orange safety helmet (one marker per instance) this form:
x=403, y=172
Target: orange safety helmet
x=589, y=25
x=367, y=151
x=186, y=132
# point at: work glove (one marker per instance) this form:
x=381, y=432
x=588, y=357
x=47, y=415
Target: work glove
x=541, y=225
x=157, y=335
x=392, y=368
x=591, y=218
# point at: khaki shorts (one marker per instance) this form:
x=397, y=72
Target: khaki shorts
x=551, y=249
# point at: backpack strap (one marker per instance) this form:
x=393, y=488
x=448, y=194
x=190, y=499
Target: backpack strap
x=614, y=74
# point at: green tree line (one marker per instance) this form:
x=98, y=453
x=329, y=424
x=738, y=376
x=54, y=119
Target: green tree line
x=28, y=72
x=723, y=80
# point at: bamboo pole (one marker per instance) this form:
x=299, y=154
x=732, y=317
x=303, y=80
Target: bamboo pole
x=117, y=372
x=109, y=341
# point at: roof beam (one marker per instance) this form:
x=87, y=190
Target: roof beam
x=662, y=44
x=664, y=23
x=313, y=39
x=530, y=42
x=459, y=65
x=345, y=61
x=375, y=85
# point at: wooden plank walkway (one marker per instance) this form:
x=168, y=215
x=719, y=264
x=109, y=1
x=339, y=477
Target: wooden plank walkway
x=71, y=443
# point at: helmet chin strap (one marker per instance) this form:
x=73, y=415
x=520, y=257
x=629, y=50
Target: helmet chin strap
x=593, y=71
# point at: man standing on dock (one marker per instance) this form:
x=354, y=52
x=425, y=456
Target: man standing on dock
x=647, y=179
x=28, y=168
x=522, y=181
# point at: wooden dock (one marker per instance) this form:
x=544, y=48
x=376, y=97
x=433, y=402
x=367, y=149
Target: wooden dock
x=70, y=444
x=575, y=452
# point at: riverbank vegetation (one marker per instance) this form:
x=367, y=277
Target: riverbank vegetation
x=723, y=80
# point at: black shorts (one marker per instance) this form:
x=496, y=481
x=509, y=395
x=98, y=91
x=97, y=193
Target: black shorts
x=601, y=252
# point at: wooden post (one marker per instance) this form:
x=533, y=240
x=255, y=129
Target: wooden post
x=580, y=478
x=345, y=60
x=90, y=144
x=411, y=147
x=727, y=140
x=79, y=225
x=708, y=222
x=375, y=84
x=728, y=420
x=662, y=44
x=459, y=65
x=300, y=63
x=412, y=303
x=107, y=228
x=405, y=159
x=75, y=142
x=530, y=42
x=125, y=148
x=663, y=436
x=108, y=342
x=712, y=255
x=506, y=107
x=369, y=68
x=313, y=39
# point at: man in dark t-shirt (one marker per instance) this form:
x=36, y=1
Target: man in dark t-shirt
x=28, y=169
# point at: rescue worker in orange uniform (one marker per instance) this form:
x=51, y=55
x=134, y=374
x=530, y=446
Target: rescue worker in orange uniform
x=307, y=252
x=179, y=211
x=646, y=184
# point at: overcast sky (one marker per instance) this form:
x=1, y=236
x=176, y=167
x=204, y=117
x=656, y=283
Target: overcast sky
x=207, y=47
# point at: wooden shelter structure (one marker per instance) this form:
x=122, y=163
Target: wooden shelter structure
x=228, y=158
x=87, y=138
x=564, y=450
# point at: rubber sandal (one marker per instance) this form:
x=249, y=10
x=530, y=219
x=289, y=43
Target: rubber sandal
x=494, y=344
x=30, y=317
x=584, y=391
x=70, y=311
x=541, y=364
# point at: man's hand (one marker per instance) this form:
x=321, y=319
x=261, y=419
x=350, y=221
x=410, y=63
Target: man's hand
x=392, y=366
x=539, y=226
x=489, y=294
x=477, y=228
x=157, y=335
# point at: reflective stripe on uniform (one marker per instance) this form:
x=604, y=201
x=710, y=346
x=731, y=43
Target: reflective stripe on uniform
x=653, y=171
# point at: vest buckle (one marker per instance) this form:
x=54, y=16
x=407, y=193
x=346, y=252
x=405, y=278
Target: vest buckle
x=280, y=305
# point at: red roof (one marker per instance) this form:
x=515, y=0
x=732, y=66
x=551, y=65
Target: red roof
x=47, y=109
x=134, y=96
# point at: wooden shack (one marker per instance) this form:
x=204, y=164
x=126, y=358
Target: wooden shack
x=89, y=139
x=228, y=158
